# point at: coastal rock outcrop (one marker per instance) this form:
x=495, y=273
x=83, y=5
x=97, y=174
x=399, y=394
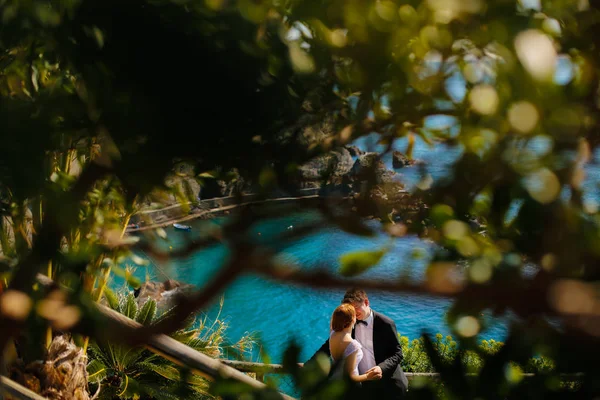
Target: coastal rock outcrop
x=180, y=197
x=355, y=151
x=333, y=165
x=368, y=167
x=377, y=190
x=233, y=182
x=400, y=160
x=181, y=185
x=164, y=293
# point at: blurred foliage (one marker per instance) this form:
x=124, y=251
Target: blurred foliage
x=358, y=262
x=100, y=100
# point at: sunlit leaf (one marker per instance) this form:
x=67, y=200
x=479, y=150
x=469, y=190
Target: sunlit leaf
x=147, y=312
x=357, y=262
x=130, y=307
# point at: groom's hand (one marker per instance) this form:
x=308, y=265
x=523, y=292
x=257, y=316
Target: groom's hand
x=375, y=372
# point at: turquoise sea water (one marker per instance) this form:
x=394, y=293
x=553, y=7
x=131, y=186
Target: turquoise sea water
x=277, y=313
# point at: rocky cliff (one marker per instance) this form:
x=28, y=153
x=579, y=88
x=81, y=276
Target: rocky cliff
x=164, y=293
x=326, y=168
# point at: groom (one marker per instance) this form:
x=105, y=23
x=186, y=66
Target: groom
x=382, y=351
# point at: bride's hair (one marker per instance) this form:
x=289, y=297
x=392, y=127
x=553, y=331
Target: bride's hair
x=342, y=317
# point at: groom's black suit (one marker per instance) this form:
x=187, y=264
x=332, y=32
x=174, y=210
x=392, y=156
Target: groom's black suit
x=388, y=354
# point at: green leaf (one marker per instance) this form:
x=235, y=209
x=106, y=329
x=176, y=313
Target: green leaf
x=291, y=357
x=229, y=388
x=198, y=383
x=126, y=274
x=133, y=281
x=159, y=392
x=130, y=388
x=208, y=174
x=357, y=262
x=441, y=213
x=147, y=313
x=130, y=309
x=112, y=299
x=267, y=177
x=97, y=371
x=97, y=353
x=131, y=355
x=166, y=371
x=184, y=336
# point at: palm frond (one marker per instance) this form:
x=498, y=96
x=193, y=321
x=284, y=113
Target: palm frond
x=243, y=347
x=165, y=314
x=205, y=347
x=113, y=354
x=184, y=336
x=97, y=371
x=190, y=321
x=132, y=355
x=173, y=374
x=166, y=371
x=147, y=313
x=130, y=388
x=130, y=308
x=198, y=384
x=98, y=353
x=159, y=392
x=145, y=373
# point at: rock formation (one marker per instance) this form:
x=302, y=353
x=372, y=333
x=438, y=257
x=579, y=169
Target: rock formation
x=183, y=182
x=355, y=151
x=377, y=190
x=164, y=293
x=231, y=184
x=368, y=167
x=400, y=160
x=329, y=167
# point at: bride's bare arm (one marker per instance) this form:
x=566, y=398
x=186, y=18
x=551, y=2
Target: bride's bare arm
x=350, y=368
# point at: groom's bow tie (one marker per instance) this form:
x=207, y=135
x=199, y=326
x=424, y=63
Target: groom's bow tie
x=360, y=321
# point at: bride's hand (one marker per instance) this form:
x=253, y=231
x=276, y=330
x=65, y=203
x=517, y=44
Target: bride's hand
x=373, y=375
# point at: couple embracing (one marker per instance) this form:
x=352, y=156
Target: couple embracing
x=363, y=345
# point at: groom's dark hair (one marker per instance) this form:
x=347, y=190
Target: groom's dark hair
x=354, y=295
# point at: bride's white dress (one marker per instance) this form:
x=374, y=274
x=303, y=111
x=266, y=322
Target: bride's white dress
x=352, y=347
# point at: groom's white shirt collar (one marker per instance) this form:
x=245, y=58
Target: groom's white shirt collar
x=369, y=319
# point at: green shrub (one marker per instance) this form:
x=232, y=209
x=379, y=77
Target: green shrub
x=416, y=358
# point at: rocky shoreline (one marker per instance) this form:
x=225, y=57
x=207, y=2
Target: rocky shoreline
x=164, y=293
x=344, y=172
x=204, y=211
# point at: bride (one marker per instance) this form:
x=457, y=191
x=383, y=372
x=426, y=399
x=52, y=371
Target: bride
x=345, y=351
